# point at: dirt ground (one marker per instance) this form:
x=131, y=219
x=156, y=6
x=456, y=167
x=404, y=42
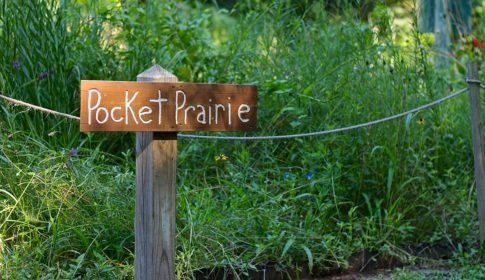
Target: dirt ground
x=386, y=274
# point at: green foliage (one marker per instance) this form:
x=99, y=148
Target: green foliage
x=65, y=212
x=303, y=203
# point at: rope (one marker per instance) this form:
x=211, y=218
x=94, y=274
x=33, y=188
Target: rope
x=473, y=81
x=245, y=138
x=318, y=133
x=38, y=108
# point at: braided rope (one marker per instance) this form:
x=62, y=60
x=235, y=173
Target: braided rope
x=318, y=133
x=269, y=137
x=38, y=108
x=474, y=81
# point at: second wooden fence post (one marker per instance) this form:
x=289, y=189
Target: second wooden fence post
x=156, y=162
x=478, y=157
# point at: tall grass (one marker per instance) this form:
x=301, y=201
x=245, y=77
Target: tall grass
x=310, y=202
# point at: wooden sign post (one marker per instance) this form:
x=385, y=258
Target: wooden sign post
x=156, y=107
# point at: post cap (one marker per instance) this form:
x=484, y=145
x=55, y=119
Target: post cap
x=156, y=74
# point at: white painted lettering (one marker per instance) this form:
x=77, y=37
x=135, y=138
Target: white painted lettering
x=201, y=115
x=116, y=108
x=145, y=110
x=229, y=111
x=128, y=107
x=241, y=111
x=90, y=107
x=210, y=114
x=217, y=106
x=159, y=101
x=189, y=109
x=177, y=107
x=106, y=113
x=186, y=110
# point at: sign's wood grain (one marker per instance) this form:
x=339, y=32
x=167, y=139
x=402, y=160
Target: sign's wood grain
x=135, y=106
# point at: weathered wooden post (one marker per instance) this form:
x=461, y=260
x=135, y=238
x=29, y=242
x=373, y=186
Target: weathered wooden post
x=476, y=123
x=156, y=163
x=156, y=107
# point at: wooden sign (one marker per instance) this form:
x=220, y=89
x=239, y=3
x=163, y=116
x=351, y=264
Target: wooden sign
x=157, y=106
x=135, y=106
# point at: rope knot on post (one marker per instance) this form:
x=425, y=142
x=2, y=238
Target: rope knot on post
x=473, y=81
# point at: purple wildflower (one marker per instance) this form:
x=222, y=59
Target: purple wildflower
x=178, y=5
x=309, y=176
x=43, y=75
x=16, y=65
x=73, y=152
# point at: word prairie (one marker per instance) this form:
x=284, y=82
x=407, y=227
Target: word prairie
x=146, y=106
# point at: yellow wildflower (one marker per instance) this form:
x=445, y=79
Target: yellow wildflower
x=221, y=157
